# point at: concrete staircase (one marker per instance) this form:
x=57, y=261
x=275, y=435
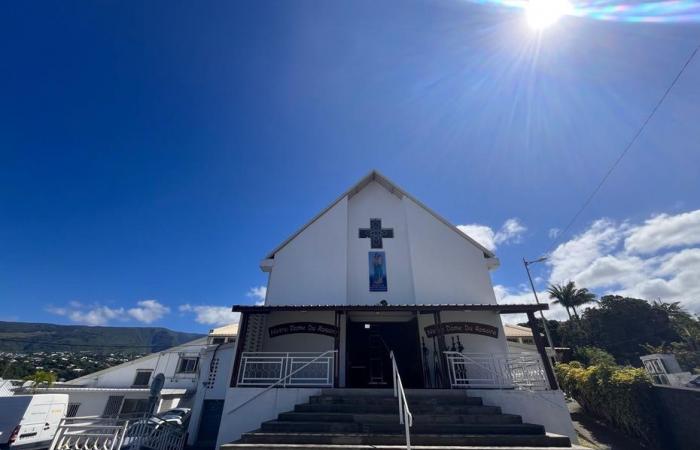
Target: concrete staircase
x=360, y=419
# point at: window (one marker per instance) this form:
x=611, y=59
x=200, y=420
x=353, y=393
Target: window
x=134, y=406
x=114, y=403
x=218, y=340
x=72, y=409
x=187, y=364
x=142, y=377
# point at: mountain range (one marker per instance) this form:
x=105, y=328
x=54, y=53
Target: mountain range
x=35, y=337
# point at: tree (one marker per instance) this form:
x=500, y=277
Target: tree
x=564, y=295
x=687, y=348
x=569, y=296
x=582, y=297
x=594, y=356
x=622, y=325
x=41, y=377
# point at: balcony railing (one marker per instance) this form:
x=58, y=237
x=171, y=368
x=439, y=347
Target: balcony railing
x=496, y=370
x=290, y=369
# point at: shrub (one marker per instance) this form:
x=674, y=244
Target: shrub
x=594, y=356
x=622, y=396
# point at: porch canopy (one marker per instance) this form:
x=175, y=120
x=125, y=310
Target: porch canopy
x=435, y=309
x=501, y=309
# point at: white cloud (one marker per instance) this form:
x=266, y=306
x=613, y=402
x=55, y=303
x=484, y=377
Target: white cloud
x=553, y=233
x=148, y=311
x=523, y=295
x=652, y=260
x=94, y=315
x=210, y=314
x=257, y=293
x=574, y=256
x=510, y=232
x=664, y=231
x=480, y=233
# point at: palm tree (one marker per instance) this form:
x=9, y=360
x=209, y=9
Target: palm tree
x=581, y=297
x=564, y=295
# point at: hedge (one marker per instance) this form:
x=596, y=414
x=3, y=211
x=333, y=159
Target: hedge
x=622, y=396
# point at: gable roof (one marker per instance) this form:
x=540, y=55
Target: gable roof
x=392, y=187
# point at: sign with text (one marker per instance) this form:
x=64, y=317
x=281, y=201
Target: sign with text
x=462, y=328
x=303, y=327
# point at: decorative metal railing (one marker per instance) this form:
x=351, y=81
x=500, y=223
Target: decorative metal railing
x=496, y=370
x=99, y=433
x=293, y=369
x=405, y=416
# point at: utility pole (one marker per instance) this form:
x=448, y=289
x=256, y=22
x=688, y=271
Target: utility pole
x=534, y=292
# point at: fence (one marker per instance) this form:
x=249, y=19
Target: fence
x=296, y=369
x=496, y=370
x=98, y=433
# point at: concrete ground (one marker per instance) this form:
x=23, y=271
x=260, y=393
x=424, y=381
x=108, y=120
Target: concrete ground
x=596, y=434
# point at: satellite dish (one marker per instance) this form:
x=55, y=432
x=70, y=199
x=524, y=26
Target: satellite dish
x=157, y=384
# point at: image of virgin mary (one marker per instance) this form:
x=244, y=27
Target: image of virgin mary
x=377, y=272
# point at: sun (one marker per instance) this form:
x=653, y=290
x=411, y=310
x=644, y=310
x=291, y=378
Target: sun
x=543, y=13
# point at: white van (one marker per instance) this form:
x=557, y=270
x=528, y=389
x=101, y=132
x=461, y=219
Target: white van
x=30, y=421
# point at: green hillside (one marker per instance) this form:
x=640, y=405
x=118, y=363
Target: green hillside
x=36, y=337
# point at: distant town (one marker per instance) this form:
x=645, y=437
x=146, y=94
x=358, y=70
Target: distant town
x=66, y=365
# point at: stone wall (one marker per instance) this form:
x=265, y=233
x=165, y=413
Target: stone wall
x=678, y=413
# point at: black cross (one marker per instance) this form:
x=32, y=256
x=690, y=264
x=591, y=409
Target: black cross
x=375, y=232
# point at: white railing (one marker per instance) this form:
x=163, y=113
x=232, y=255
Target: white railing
x=405, y=416
x=496, y=370
x=287, y=369
x=98, y=433
x=284, y=380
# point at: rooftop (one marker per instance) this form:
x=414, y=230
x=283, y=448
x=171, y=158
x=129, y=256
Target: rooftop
x=501, y=309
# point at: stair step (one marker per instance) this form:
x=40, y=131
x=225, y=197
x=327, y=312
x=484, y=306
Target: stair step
x=275, y=426
x=391, y=400
x=359, y=408
x=379, y=447
x=495, y=440
x=394, y=418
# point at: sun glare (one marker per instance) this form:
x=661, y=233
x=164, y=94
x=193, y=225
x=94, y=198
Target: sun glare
x=543, y=13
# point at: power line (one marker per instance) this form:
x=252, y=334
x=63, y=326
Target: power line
x=624, y=152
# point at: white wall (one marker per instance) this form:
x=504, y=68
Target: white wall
x=547, y=408
x=374, y=201
x=263, y=408
x=92, y=403
x=427, y=261
x=446, y=267
x=225, y=353
x=165, y=362
x=310, y=269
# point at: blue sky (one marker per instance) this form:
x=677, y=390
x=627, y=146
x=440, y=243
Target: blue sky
x=153, y=152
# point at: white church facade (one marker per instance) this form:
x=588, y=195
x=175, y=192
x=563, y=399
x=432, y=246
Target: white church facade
x=378, y=273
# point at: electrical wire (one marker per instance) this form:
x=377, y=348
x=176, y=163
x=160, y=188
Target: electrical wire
x=626, y=149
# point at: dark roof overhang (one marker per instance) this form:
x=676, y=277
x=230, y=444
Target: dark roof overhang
x=501, y=309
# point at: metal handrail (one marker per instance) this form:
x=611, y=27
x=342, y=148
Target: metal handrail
x=405, y=416
x=498, y=375
x=282, y=380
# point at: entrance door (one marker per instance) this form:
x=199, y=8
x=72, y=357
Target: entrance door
x=368, y=361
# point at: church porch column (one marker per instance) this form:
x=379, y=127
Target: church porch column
x=240, y=346
x=532, y=322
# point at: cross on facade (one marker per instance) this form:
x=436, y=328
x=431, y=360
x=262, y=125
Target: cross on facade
x=375, y=233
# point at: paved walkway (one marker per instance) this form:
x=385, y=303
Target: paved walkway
x=598, y=435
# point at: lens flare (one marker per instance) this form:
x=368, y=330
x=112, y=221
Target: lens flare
x=543, y=13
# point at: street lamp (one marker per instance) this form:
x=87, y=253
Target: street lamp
x=532, y=285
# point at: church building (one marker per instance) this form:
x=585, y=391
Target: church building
x=378, y=284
